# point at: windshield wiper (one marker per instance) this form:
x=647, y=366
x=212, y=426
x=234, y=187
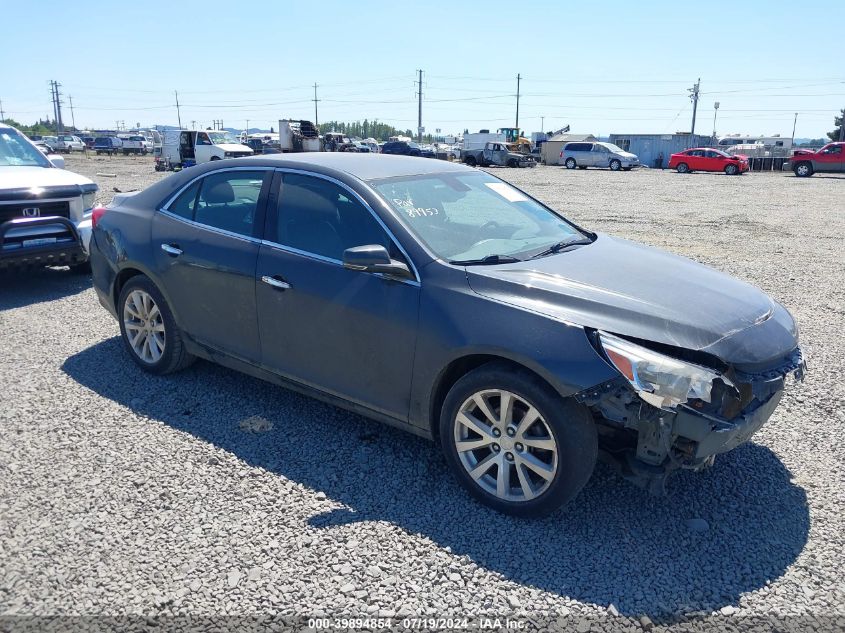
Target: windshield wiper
x=489, y=259
x=559, y=246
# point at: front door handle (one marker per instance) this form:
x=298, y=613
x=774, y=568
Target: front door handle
x=170, y=249
x=275, y=282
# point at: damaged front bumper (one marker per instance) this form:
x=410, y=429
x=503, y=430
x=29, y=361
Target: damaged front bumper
x=649, y=443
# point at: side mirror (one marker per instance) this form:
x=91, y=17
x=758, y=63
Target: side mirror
x=374, y=258
x=57, y=160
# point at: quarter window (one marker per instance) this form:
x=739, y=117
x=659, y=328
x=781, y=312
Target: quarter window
x=229, y=200
x=319, y=217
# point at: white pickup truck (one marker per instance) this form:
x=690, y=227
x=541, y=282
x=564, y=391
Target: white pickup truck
x=135, y=144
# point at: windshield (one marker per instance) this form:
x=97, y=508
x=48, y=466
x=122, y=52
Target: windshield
x=221, y=138
x=470, y=216
x=15, y=150
x=614, y=148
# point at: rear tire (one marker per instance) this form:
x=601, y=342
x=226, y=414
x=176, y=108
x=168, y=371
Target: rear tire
x=541, y=464
x=148, y=329
x=803, y=170
x=470, y=160
x=570, y=163
x=683, y=168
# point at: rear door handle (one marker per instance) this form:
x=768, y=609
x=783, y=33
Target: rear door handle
x=171, y=250
x=275, y=282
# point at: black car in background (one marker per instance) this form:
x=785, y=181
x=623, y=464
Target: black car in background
x=402, y=148
x=442, y=300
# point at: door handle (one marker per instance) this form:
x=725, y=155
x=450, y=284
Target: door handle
x=174, y=251
x=276, y=283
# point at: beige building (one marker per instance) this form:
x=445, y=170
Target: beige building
x=550, y=150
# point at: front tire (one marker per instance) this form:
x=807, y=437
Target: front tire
x=803, y=170
x=148, y=328
x=731, y=170
x=683, y=168
x=514, y=443
x=615, y=165
x=570, y=163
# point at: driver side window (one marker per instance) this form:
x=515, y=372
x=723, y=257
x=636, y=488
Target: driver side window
x=318, y=217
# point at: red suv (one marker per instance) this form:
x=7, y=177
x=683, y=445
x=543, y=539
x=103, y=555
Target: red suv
x=830, y=158
x=708, y=159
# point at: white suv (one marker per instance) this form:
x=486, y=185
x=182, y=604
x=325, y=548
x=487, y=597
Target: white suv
x=45, y=211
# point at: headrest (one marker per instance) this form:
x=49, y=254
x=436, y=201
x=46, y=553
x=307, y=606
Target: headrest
x=219, y=193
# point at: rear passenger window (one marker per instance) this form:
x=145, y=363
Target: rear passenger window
x=184, y=205
x=228, y=200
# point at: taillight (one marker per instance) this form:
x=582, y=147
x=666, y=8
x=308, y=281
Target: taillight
x=96, y=214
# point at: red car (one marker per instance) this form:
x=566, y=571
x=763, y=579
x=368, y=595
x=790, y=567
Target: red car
x=830, y=158
x=708, y=159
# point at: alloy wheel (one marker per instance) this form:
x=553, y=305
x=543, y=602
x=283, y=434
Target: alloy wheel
x=144, y=326
x=505, y=445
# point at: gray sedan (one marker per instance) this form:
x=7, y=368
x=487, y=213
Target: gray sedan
x=439, y=299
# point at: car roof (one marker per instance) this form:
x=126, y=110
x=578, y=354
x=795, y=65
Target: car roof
x=361, y=166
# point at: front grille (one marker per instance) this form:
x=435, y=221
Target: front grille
x=12, y=211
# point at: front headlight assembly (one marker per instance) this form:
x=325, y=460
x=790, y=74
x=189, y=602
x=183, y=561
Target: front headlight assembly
x=660, y=380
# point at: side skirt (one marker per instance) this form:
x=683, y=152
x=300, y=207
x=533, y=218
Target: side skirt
x=256, y=371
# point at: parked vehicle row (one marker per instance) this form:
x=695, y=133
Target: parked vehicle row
x=331, y=258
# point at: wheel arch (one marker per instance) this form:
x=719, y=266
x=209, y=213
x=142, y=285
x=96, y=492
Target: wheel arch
x=132, y=270
x=460, y=367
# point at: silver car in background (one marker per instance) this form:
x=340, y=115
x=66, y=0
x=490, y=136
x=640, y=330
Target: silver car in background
x=587, y=154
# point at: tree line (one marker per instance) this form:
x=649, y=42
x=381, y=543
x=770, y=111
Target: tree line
x=364, y=129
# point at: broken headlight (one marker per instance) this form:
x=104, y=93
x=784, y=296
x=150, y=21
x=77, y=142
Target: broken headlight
x=660, y=380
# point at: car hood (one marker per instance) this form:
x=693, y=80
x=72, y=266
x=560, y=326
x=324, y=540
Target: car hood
x=645, y=293
x=627, y=155
x=26, y=177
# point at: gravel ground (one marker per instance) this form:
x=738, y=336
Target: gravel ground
x=210, y=493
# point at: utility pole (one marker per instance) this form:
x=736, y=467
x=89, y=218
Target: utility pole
x=57, y=106
x=193, y=124
x=794, y=123
x=2, y=114
x=419, y=112
x=72, y=117
x=315, y=100
x=518, y=77
x=694, y=97
x=542, y=123
x=178, y=113
x=53, y=98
